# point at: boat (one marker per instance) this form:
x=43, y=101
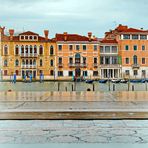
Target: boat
x=89, y=81
x=102, y=81
x=123, y=81
x=144, y=80
x=135, y=81
x=115, y=81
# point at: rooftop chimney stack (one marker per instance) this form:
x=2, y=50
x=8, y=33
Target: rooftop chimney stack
x=65, y=36
x=46, y=33
x=2, y=30
x=11, y=33
x=89, y=35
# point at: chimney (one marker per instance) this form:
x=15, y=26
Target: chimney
x=46, y=33
x=11, y=32
x=65, y=36
x=2, y=30
x=89, y=35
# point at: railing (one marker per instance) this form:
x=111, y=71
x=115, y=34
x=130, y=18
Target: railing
x=60, y=64
x=29, y=54
x=135, y=66
x=95, y=64
x=28, y=66
x=110, y=65
x=77, y=65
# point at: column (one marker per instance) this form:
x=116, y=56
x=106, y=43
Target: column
x=19, y=50
x=113, y=73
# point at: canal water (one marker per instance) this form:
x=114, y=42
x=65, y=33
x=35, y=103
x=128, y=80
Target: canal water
x=69, y=86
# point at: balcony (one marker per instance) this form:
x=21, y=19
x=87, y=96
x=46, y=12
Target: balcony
x=60, y=65
x=28, y=66
x=95, y=65
x=110, y=66
x=29, y=55
x=135, y=66
x=77, y=65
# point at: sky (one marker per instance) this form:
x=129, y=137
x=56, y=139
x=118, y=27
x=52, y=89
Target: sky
x=72, y=16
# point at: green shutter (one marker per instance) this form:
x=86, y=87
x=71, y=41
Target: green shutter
x=119, y=60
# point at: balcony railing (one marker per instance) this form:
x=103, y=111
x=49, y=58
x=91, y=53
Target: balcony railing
x=29, y=54
x=60, y=64
x=110, y=65
x=28, y=66
x=136, y=66
x=95, y=64
x=77, y=65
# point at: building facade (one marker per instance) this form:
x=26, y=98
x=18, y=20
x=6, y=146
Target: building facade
x=122, y=53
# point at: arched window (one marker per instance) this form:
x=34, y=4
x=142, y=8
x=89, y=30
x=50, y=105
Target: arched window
x=30, y=61
x=5, y=63
x=16, y=50
x=27, y=62
x=23, y=62
x=51, y=62
x=78, y=58
x=51, y=72
x=35, y=49
x=26, y=49
x=22, y=49
x=41, y=50
x=135, y=59
x=41, y=62
x=31, y=49
x=16, y=62
x=51, y=50
x=34, y=62
x=5, y=50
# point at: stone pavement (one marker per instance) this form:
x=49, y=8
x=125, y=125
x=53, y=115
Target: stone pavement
x=73, y=131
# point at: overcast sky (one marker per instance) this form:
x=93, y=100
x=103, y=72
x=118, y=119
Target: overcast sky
x=72, y=16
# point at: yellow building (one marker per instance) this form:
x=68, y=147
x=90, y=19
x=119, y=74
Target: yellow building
x=26, y=53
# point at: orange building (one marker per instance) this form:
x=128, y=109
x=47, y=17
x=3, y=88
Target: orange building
x=132, y=50
x=77, y=56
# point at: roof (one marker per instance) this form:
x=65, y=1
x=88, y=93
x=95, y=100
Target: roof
x=28, y=33
x=108, y=41
x=72, y=37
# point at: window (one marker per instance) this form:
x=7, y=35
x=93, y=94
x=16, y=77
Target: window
x=143, y=37
x=51, y=72
x=70, y=73
x=70, y=47
x=5, y=72
x=127, y=60
x=84, y=47
x=114, y=49
x=5, y=63
x=26, y=49
x=51, y=62
x=144, y=73
x=5, y=50
x=135, y=47
x=85, y=73
x=51, y=50
x=135, y=72
x=26, y=37
x=41, y=62
x=143, y=60
x=95, y=47
x=35, y=49
x=135, y=59
x=135, y=37
x=127, y=72
x=60, y=73
x=143, y=47
x=95, y=60
x=31, y=49
x=60, y=60
x=35, y=37
x=101, y=49
x=95, y=73
x=60, y=47
x=77, y=47
x=17, y=62
x=41, y=50
x=22, y=37
x=126, y=47
x=126, y=36
x=84, y=60
x=107, y=49
x=71, y=60
x=16, y=50
x=101, y=60
x=22, y=49
x=30, y=37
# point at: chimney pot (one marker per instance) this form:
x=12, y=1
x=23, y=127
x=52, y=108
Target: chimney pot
x=46, y=33
x=11, y=32
x=65, y=36
x=89, y=35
